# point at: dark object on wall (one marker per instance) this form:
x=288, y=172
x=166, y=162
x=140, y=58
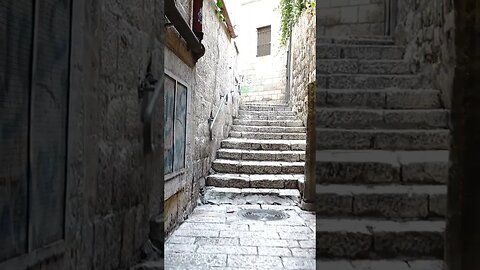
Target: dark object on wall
x=149, y=85
x=183, y=28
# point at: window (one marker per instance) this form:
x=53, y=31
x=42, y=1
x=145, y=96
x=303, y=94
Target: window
x=264, y=37
x=175, y=125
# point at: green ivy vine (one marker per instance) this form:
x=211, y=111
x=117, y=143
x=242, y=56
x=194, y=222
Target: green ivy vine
x=290, y=12
x=218, y=10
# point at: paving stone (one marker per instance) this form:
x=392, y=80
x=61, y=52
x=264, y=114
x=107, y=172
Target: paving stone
x=282, y=229
x=262, y=242
x=307, y=243
x=254, y=261
x=217, y=241
x=195, y=232
x=274, y=251
x=186, y=260
x=182, y=248
x=214, y=227
x=295, y=235
x=227, y=250
x=256, y=235
x=303, y=252
x=180, y=240
x=298, y=263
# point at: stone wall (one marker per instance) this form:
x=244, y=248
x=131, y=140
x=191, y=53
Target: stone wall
x=303, y=70
x=212, y=76
x=264, y=78
x=426, y=28
x=350, y=17
x=113, y=188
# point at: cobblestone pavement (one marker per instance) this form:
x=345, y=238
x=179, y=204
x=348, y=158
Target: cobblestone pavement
x=215, y=237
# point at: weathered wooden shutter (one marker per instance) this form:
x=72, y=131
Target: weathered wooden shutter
x=34, y=76
x=169, y=124
x=264, y=36
x=16, y=20
x=49, y=106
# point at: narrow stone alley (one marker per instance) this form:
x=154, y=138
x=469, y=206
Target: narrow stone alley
x=258, y=169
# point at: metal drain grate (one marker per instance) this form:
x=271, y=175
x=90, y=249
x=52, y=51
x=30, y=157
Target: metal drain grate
x=262, y=214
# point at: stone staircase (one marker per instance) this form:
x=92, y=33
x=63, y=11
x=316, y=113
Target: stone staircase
x=382, y=159
x=262, y=161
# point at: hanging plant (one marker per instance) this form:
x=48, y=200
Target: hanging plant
x=290, y=12
x=218, y=10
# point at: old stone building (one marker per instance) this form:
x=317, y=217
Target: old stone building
x=210, y=86
x=262, y=60
x=79, y=174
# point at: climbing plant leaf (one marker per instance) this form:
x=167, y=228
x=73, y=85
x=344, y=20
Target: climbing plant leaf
x=290, y=12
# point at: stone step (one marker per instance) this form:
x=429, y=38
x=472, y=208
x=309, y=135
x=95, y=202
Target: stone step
x=376, y=166
x=364, y=52
x=379, y=99
x=379, y=264
x=355, y=40
x=268, y=135
x=369, y=81
x=382, y=201
x=252, y=144
x=237, y=196
x=375, y=239
x=257, y=167
x=372, y=119
x=265, y=108
x=270, y=117
x=354, y=66
x=328, y=138
x=275, y=181
x=261, y=155
x=265, y=104
x=267, y=129
x=277, y=123
x=267, y=113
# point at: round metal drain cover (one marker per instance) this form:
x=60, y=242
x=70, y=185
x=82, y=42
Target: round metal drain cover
x=262, y=214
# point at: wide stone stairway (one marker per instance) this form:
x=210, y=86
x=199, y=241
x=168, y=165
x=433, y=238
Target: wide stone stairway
x=382, y=159
x=262, y=162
